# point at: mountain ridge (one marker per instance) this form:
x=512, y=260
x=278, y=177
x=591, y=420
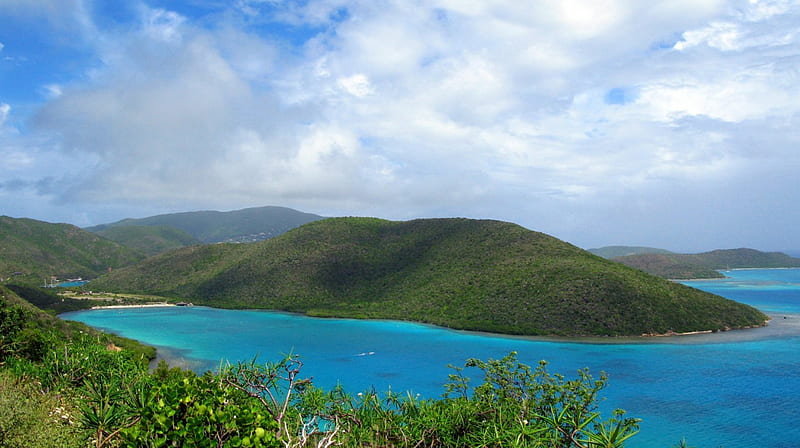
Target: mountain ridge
x=705, y=265
x=31, y=250
x=210, y=226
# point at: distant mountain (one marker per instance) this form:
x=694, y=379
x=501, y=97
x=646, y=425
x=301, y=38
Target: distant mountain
x=745, y=258
x=460, y=273
x=622, y=251
x=671, y=266
x=246, y=225
x=31, y=250
x=707, y=264
x=149, y=240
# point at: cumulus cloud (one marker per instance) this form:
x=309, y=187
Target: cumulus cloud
x=560, y=116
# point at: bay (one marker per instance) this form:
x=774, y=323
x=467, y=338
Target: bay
x=734, y=389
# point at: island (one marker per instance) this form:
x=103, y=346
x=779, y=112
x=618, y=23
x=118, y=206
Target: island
x=468, y=274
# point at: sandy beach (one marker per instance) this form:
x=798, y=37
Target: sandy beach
x=142, y=305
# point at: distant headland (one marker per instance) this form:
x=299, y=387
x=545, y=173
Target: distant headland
x=706, y=265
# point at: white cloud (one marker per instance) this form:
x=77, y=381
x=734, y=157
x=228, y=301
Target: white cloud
x=554, y=116
x=52, y=90
x=723, y=36
x=4, y=110
x=160, y=24
x=357, y=85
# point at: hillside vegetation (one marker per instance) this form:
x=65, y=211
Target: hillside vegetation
x=149, y=240
x=31, y=250
x=29, y=331
x=460, y=273
x=707, y=264
x=622, y=251
x=246, y=225
x=670, y=266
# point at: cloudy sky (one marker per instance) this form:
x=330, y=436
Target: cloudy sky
x=671, y=123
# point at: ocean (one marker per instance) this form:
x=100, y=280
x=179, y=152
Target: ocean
x=735, y=389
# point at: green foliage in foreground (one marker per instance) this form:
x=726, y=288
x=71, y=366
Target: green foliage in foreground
x=459, y=273
x=30, y=333
x=253, y=405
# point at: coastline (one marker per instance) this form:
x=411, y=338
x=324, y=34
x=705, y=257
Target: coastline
x=141, y=305
x=777, y=324
x=722, y=271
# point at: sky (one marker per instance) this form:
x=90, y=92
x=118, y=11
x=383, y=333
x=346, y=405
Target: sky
x=672, y=124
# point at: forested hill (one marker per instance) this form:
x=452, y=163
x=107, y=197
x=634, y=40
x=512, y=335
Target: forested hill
x=460, y=273
x=707, y=264
x=149, y=240
x=246, y=225
x=31, y=250
x=622, y=251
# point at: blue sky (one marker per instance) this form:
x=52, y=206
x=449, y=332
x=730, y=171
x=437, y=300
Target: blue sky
x=673, y=124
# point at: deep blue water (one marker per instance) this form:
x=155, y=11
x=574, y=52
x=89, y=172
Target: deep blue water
x=735, y=389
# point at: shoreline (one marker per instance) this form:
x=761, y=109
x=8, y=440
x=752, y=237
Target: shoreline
x=776, y=323
x=141, y=305
x=721, y=271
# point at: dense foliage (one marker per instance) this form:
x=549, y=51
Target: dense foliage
x=460, y=273
x=48, y=299
x=706, y=264
x=31, y=251
x=28, y=332
x=235, y=226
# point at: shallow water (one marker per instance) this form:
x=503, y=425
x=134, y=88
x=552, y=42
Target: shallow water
x=734, y=389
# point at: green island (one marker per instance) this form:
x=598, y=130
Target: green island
x=460, y=273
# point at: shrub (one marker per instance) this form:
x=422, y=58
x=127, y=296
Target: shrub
x=30, y=418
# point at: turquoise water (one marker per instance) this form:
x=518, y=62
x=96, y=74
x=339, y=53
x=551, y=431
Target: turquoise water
x=735, y=389
x=72, y=284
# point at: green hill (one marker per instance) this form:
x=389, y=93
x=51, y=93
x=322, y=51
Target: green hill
x=460, y=273
x=623, y=251
x=31, y=250
x=707, y=264
x=246, y=225
x=671, y=266
x=744, y=258
x=149, y=240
